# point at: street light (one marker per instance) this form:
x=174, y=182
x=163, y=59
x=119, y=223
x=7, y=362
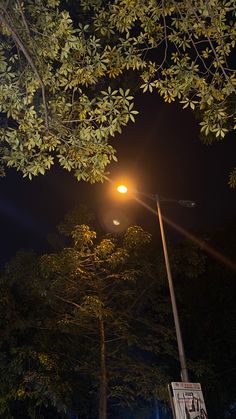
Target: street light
x=122, y=189
x=185, y=203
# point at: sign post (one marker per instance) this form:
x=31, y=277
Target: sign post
x=187, y=401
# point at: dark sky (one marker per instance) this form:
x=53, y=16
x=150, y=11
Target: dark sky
x=161, y=153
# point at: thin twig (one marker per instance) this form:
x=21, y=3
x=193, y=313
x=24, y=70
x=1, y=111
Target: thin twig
x=68, y=301
x=194, y=44
x=165, y=37
x=23, y=17
x=211, y=45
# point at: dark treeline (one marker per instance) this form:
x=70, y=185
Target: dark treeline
x=87, y=329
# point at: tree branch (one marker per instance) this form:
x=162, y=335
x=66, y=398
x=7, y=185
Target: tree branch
x=23, y=17
x=210, y=43
x=18, y=41
x=68, y=301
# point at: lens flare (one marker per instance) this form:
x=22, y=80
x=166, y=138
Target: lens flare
x=225, y=260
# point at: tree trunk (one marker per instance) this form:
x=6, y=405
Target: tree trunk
x=157, y=411
x=103, y=373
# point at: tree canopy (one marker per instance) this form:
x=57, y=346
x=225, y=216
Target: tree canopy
x=55, y=95
x=85, y=327
x=65, y=71
x=90, y=328
x=210, y=300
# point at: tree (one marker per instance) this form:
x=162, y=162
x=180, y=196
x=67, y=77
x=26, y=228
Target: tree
x=101, y=287
x=84, y=327
x=208, y=307
x=90, y=327
x=189, y=48
x=32, y=371
x=60, y=98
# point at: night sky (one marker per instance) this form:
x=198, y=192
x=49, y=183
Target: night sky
x=162, y=153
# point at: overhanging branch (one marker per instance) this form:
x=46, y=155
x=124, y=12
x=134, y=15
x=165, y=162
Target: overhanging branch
x=18, y=41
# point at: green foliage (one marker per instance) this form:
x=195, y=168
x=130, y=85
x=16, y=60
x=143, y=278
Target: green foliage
x=208, y=307
x=193, y=42
x=232, y=179
x=136, y=237
x=79, y=215
x=61, y=76
x=30, y=373
x=52, y=308
x=112, y=281
x=53, y=94
x=188, y=260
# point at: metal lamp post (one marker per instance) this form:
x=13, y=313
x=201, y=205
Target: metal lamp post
x=185, y=203
x=182, y=359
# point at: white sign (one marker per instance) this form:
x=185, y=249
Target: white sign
x=187, y=401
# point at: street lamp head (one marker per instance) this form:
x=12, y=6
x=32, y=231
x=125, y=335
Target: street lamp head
x=122, y=189
x=187, y=204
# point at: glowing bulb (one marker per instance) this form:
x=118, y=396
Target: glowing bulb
x=116, y=222
x=122, y=189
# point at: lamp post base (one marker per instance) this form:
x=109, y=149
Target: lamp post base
x=187, y=401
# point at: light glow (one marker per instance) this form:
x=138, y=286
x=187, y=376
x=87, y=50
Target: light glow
x=122, y=189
